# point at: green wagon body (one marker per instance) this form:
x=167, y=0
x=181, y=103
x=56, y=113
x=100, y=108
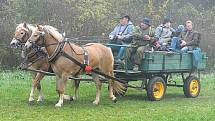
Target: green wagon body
x=162, y=61
x=156, y=70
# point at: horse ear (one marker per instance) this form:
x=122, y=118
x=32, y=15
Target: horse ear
x=40, y=28
x=25, y=25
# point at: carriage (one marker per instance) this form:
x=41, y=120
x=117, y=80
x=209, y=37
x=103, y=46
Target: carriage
x=157, y=69
x=155, y=73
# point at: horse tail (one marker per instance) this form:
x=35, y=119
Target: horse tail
x=119, y=88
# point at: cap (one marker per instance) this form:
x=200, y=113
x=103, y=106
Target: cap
x=147, y=21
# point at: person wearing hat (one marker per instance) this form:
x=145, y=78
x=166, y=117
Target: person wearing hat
x=142, y=33
x=163, y=34
x=122, y=34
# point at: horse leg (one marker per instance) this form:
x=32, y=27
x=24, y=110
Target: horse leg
x=110, y=84
x=60, y=87
x=39, y=88
x=75, y=86
x=98, y=88
x=35, y=81
x=41, y=96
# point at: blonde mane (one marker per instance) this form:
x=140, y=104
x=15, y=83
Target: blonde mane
x=54, y=32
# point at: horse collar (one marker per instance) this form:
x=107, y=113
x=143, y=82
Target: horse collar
x=56, y=52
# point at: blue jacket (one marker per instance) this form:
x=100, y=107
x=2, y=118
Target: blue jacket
x=128, y=32
x=163, y=34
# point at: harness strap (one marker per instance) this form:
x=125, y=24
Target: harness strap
x=86, y=56
x=30, y=60
x=93, y=70
x=72, y=59
x=57, y=51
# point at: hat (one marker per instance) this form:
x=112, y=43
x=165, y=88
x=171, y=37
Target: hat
x=147, y=21
x=166, y=20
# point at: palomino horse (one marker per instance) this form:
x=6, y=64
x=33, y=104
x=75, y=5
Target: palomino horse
x=100, y=57
x=22, y=33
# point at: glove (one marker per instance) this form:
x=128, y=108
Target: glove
x=111, y=37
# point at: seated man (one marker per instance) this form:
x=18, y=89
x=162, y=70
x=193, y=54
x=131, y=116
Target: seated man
x=188, y=39
x=122, y=34
x=142, y=33
x=163, y=35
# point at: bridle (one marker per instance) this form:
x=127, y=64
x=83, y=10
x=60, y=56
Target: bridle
x=41, y=39
x=38, y=53
x=21, y=40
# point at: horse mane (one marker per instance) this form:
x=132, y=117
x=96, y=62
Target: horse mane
x=54, y=32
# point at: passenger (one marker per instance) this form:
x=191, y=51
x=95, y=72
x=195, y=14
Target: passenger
x=142, y=33
x=188, y=39
x=163, y=35
x=122, y=34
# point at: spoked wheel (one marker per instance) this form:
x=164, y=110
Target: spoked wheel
x=191, y=87
x=156, y=88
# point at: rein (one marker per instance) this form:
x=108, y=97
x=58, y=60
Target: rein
x=30, y=59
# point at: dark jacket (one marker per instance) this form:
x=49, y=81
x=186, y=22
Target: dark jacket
x=192, y=38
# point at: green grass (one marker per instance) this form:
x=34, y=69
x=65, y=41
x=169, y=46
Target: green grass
x=134, y=106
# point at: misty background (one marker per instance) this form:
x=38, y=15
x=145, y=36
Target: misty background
x=80, y=18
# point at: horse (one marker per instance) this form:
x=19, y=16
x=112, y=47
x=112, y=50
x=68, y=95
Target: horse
x=22, y=33
x=99, y=57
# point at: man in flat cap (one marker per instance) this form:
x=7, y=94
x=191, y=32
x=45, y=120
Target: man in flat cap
x=143, y=34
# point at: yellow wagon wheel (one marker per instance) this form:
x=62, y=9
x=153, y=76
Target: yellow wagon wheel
x=156, y=88
x=192, y=87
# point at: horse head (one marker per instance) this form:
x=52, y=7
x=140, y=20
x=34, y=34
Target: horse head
x=42, y=33
x=22, y=33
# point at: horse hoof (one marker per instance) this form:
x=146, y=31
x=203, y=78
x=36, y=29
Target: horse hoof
x=115, y=100
x=30, y=102
x=58, y=105
x=67, y=97
x=72, y=99
x=40, y=99
x=31, y=99
x=95, y=102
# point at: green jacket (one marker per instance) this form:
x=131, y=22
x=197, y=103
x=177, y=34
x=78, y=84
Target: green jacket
x=139, y=34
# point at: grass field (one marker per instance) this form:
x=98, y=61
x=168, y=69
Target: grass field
x=134, y=106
